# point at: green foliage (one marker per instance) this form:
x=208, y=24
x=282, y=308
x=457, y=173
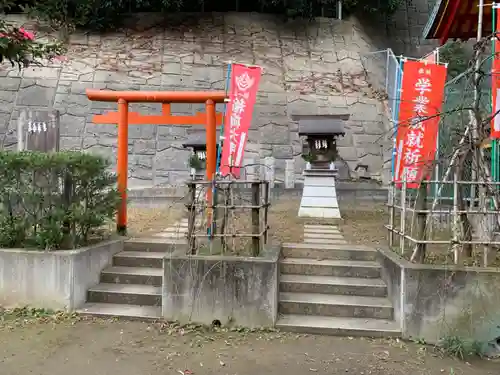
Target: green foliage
x=19, y=46
x=384, y=7
x=195, y=162
x=458, y=347
x=109, y=14
x=457, y=57
x=53, y=201
x=309, y=157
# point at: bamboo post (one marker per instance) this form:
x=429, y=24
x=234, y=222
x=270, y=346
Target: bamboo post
x=456, y=220
x=213, y=224
x=421, y=205
x=266, y=211
x=192, y=216
x=403, y=214
x=255, y=218
x=392, y=211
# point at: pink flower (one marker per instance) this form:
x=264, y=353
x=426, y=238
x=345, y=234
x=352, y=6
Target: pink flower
x=26, y=34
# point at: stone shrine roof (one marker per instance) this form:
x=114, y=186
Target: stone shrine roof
x=321, y=124
x=196, y=140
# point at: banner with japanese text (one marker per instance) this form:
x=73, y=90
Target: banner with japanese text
x=422, y=93
x=432, y=57
x=495, y=86
x=242, y=96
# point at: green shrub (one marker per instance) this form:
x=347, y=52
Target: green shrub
x=53, y=201
x=109, y=14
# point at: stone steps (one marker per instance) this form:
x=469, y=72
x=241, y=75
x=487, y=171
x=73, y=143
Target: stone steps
x=350, y=286
x=112, y=310
x=318, y=229
x=130, y=294
x=139, y=259
x=335, y=305
x=337, y=326
x=328, y=236
x=328, y=286
x=339, y=268
x=328, y=251
x=132, y=275
x=313, y=240
x=152, y=245
x=132, y=286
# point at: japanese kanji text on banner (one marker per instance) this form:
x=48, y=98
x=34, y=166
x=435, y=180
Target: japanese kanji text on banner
x=418, y=123
x=242, y=96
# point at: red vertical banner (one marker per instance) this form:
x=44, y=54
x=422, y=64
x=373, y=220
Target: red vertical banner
x=418, y=124
x=242, y=96
x=431, y=57
x=495, y=84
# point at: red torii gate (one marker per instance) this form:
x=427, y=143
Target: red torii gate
x=211, y=119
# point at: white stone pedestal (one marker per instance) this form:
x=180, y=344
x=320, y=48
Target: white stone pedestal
x=319, y=197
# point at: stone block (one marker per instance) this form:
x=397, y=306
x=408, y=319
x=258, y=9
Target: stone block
x=34, y=93
x=52, y=279
x=433, y=301
x=242, y=291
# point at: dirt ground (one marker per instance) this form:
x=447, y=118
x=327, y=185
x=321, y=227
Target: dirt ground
x=101, y=347
x=362, y=223
x=146, y=221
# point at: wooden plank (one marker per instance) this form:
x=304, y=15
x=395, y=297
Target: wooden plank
x=41, y=129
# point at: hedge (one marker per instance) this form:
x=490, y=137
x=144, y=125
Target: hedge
x=52, y=201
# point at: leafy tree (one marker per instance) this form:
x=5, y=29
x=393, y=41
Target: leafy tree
x=456, y=55
x=19, y=46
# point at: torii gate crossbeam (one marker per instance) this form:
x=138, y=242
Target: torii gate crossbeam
x=123, y=118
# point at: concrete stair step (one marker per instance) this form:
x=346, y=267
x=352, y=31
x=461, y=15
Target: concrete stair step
x=333, y=285
x=335, y=305
x=139, y=259
x=328, y=251
x=320, y=227
x=155, y=245
x=321, y=231
x=179, y=229
x=127, y=294
x=325, y=325
x=111, y=310
x=132, y=275
x=328, y=236
x=328, y=267
x=172, y=235
x=339, y=240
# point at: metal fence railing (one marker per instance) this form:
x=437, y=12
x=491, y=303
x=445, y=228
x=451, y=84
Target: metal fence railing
x=384, y=72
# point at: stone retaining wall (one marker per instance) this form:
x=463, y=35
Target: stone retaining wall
x=56, y=280
x=309, y=68
x=432, y=302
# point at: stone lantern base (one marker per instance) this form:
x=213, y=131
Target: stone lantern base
x=319, y=197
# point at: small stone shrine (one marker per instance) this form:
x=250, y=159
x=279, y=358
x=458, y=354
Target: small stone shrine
x=319, y=197
x=198, y=159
